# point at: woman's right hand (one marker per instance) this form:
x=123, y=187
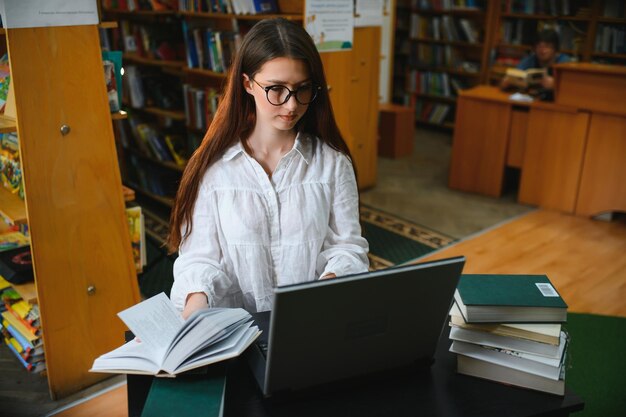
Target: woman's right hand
x=195, y=301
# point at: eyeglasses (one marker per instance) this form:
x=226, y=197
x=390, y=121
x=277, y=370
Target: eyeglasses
x=278, y=95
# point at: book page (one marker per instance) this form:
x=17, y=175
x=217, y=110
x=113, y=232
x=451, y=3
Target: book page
x=155, y=321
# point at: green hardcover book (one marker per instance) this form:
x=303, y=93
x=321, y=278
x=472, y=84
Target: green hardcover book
x=190, y=394
x=509, y=299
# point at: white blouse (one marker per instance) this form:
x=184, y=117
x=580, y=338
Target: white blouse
x=252, y=232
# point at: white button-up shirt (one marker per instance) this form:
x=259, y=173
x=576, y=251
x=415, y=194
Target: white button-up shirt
x=252, y=232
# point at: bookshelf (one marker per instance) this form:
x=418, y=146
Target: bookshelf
x=428, y=51
x=589, y=31
x=443, y=48
x=84, y=269
x=197, y=81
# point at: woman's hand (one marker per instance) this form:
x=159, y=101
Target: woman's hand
x=195, y=301
x=329, y=275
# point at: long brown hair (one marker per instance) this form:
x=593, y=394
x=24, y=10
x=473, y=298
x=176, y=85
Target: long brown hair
x=235, y=117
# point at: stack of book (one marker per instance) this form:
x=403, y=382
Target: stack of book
x=20, y=329
x=507, y=328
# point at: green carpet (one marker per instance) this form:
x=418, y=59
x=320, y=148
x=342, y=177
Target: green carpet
x=597, y=363
x=392, y=241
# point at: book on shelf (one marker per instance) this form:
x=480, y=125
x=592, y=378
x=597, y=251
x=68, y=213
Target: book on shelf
x=176, y=146
x=20, y=329
x=525, y=78
x=112, y=61
x=12, y=240
x=538, y=332
x=137, y=236
x=475, y=367
x=26, y=313
x=27, y=348
x=5, y=80
x=32, y=335
x=509, y=299
x=10, y=165
x=35, y=367
x=169, y=345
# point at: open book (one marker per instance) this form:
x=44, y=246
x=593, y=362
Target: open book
x=170, y=345
x=525, y=78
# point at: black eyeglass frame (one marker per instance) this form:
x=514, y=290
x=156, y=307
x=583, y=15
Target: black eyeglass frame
x=315, y=90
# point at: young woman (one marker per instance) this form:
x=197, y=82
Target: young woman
x=270, y=196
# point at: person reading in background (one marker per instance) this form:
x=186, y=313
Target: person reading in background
x=270, y=196
x=545, y=54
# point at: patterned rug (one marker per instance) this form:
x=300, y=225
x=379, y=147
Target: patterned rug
x=392, y=240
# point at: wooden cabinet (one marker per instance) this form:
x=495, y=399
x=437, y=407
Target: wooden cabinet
x=480, y=144
x=602, y=183
x=84, y=269
x=572, y=153
x=553, y=158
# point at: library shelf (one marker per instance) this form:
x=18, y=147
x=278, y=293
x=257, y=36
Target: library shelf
x=215, y=15
x=7, y=124
x=153, y=62
x=12, y=207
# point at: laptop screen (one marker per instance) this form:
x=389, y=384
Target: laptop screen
x=339, y=328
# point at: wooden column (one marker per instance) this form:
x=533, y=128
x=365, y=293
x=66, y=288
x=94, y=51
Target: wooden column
x=80, y=241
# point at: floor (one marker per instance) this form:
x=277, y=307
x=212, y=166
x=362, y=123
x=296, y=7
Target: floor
x=415, y=188
x=412, y=187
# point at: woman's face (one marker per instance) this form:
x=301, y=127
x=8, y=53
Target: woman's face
x=278, y=73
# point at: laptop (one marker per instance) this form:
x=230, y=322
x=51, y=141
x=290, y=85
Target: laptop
x=343, y=328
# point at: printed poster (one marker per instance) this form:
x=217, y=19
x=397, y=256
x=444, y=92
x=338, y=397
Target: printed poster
x=42, y=13
x=369, y=12
x=330, y=23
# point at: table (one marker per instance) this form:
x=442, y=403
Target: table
x=571, y=153
x=438, y=391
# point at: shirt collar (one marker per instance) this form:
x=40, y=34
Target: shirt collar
x=303, y=145
x=233, y=151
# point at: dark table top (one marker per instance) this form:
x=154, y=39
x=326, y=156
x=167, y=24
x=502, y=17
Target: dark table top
x=437, y=391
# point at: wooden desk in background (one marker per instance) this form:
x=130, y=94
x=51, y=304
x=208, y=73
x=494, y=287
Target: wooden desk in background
x=572, y=153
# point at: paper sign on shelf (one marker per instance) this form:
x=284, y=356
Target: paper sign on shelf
x=368, y=13
x=330, y=23
x=42, y=13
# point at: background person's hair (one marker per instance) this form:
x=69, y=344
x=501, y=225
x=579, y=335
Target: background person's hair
x=236, y=114
x=548, y=36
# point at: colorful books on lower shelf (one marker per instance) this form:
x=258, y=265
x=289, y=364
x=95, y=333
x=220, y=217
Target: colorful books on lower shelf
x=527, y=349
x=20, y=328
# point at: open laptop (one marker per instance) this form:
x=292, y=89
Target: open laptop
x=331, y=330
